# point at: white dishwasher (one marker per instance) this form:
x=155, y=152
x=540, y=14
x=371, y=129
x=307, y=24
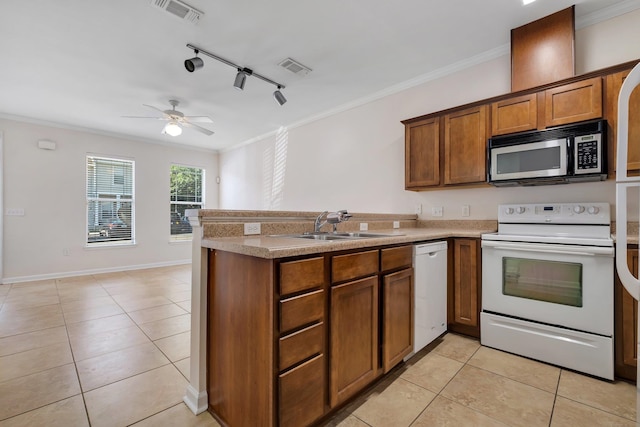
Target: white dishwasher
x=430, y=281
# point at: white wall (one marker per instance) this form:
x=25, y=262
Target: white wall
x=50, y=187
x=355, y=159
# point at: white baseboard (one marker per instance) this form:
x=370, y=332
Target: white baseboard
x=197, y=402
x=19, y=279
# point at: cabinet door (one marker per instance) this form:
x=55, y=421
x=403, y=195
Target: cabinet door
x=626, y=325
x=353, y=337
x=516, y=114
x=466, y=287
x=465, y=142
x=613, y=85
x=422, y=153
x=397, y=314
x=573, y=102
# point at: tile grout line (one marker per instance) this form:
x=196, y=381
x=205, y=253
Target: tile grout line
x=75, y=365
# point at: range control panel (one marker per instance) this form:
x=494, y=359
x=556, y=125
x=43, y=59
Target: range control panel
x=555, y=213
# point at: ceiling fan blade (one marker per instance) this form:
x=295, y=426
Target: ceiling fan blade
x=199, y=119
x=198, y=128
x=154, y=108
x=144, y=117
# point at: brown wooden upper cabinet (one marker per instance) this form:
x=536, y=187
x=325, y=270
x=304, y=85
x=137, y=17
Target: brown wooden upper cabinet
x=422, y=153
x=556, y=106
x=465, y=141
x=449, y=147
x=612, y=90
x=573, y=102
x=516, y=114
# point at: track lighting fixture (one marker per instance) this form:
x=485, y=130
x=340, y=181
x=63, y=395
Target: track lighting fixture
x=172, y=128
x=279, y=97
x=194, y=63
x=241, y=76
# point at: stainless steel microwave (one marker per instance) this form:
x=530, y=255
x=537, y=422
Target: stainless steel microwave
x=571, y=153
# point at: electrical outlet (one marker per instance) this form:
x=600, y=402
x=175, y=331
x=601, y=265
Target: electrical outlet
x=396, y=224
x=418, y=208
x=14, y=212
x=251, y=228
x=437, y=211
x=66, y=252
x=364, y=226
x=465, y=210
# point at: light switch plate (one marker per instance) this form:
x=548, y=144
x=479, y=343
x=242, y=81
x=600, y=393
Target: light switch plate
x=396, y=224
x=465, y=210
x=251, y=228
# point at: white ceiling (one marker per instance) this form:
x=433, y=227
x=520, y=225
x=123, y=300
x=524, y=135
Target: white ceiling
x=86, y=63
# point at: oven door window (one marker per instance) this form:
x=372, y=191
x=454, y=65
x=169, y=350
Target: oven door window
x=550, y=281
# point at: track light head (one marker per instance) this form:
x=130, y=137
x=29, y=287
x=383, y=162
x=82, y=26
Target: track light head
x=279, y=97
x=241, y=77
x=193, y=64
x=172, y=128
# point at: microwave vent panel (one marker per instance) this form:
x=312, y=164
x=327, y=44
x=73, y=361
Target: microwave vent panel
x=180, y=9
x=295, y=67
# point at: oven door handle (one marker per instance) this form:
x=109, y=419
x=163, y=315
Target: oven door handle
x=547, y=249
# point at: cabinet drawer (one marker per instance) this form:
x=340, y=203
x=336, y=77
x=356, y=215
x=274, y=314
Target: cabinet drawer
x=301, y=345
x=393, y=258
x=301, y=393
x=351, y=266
x=296, y=276
x=301, y=310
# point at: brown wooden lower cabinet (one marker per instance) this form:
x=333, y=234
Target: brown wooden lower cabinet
x=626, y=325
x=464, y=287
x=354, y=337
x=397, y=312
x=291, y=340
x=302, y=393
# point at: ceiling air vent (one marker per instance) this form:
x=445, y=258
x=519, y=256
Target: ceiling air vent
x=295, y=67
x=180, y=9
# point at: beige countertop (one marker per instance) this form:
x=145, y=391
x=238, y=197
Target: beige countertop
x=280, y=247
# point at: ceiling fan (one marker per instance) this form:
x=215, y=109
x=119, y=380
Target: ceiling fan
x=177, y=120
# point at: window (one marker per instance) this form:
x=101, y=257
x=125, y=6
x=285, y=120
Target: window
x=110, y=201
x=186, y=189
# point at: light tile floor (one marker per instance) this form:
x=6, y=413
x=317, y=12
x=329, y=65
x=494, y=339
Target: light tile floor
x=113, y=350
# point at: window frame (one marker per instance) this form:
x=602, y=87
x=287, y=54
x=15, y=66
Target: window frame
x=90, y=199
x=178, y=237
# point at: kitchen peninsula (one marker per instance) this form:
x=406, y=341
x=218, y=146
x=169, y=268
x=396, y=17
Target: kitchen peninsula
x=285, y=330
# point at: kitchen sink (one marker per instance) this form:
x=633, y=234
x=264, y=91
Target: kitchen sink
x=359, y=234
x=335, y=236
x=317, y=236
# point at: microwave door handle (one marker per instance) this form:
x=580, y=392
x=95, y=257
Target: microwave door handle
x=594, y=251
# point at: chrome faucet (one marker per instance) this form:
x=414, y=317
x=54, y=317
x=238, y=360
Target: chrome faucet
x=334, y=218
x=317, y=225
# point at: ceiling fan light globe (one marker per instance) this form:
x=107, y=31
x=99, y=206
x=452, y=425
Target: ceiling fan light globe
x=193, y=64
x=172, y=129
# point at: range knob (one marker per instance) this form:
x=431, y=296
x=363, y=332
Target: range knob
x=520, y=209
x=508, y=211
x=593, y=210
x=578, y=209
